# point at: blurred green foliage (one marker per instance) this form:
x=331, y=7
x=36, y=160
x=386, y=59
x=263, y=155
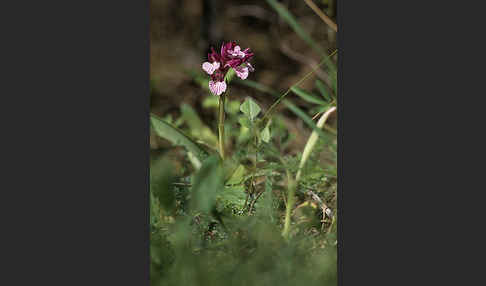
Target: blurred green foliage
x=209, y=244
x=222, y=223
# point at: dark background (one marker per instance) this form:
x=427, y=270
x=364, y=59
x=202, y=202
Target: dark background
x=181, y=33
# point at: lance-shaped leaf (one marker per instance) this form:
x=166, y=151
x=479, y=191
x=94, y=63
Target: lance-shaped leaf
x=307, y=96
x=320, y=85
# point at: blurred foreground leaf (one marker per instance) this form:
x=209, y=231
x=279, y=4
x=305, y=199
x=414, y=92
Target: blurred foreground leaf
x=197, y=128
x=161, y=176
x=207, y=182
x=176, y=137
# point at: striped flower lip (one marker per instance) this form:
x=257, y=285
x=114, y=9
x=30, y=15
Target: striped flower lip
x=230, y=57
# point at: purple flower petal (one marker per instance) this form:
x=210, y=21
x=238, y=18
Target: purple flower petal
x=241, y=72
x=218, y=87
x=213, y=56
x=210, y=68
x=236, y=52
x=233, y=63
x=225, y=50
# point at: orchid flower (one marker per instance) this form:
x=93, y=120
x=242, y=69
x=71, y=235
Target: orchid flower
x=230, y=57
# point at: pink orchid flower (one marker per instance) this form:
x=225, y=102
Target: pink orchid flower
x=218, y=65
x=236, y=52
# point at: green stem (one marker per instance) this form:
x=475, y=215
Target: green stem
x=253, y=188
x=221, y=125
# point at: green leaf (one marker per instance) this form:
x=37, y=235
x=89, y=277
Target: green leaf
x=320, y=85
x=233, y=196
x=237, y=176
x=229, y=76
x=207, y=182
x=267, y=204
x=232, y=107
x=177, y=137
x=245, y=122
x=161, y=178
x=250, y=109
x=334, y=82
x=307, y=96
x=244, y=133
x=197, y=128
x=265, y=134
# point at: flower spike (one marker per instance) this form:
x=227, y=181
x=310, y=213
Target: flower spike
x=230, y=57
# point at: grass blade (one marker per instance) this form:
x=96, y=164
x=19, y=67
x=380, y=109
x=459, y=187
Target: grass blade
x=320, y=85
x=307, y=96
x=311, y=142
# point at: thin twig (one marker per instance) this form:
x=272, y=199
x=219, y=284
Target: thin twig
x=255, y=200
x=321, y=14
